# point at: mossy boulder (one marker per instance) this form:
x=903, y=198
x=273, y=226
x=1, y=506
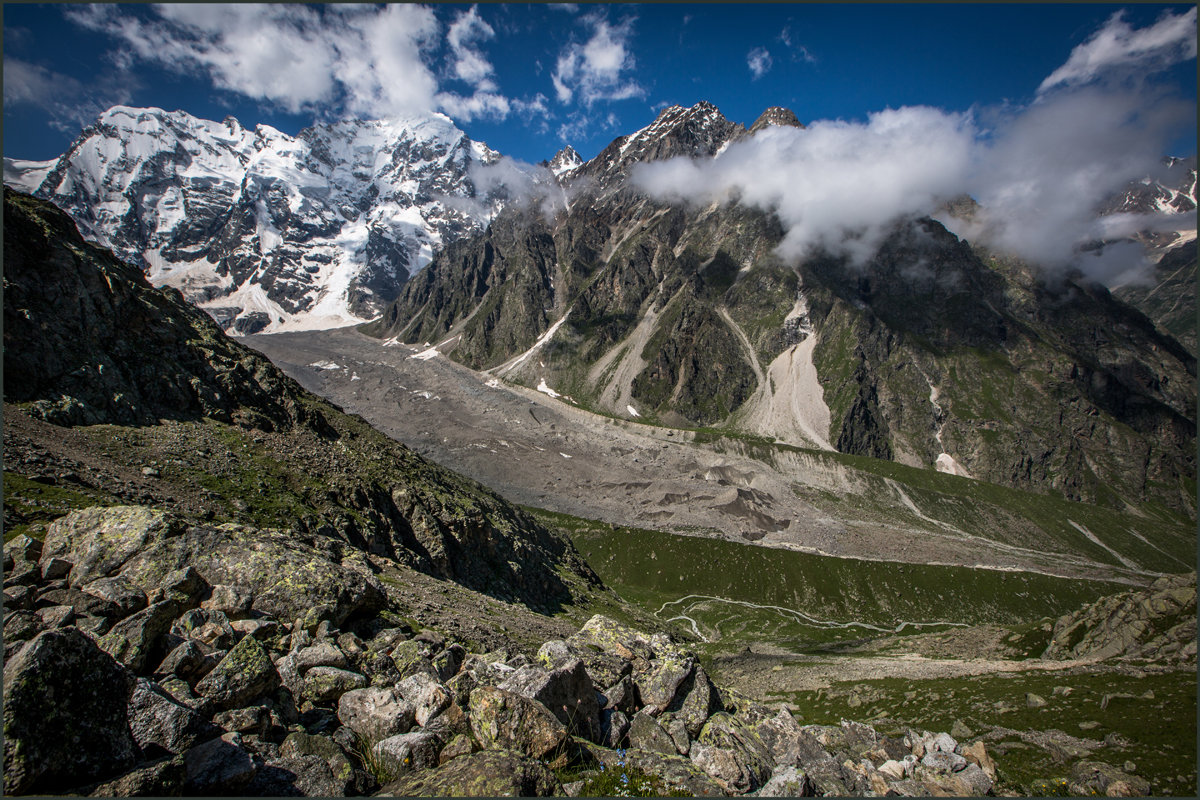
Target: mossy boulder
x=134, y=640
x=245, y=674
x=503, y=720
x=490, y=773
x=65, y=718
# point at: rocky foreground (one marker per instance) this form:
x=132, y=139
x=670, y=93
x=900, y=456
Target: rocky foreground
x=137, y=662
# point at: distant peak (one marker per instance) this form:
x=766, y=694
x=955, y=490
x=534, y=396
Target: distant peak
x=776, y=115
x=564, y=160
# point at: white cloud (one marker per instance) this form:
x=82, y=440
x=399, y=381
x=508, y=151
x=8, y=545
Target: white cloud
x=469, y=64
x=759, y=62
x=352, y=60
x=70, y=104
x=596, y=70
x=1117, y=45
x=834, y=185
x=1039, y=174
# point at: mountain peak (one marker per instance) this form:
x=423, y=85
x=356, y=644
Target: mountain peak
x=564, y=161
x=776, y=115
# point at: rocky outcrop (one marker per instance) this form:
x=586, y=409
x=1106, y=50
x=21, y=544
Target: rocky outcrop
x=1155, y=624
x=78, y=327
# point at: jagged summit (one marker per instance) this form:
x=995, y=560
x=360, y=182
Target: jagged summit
x=776, y=115
x=564, y=161
x=263, y=230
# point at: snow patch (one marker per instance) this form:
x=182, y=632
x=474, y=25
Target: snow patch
x=325, y=365
x=946, y=463
x=632, y=411
x=544, y=389
x=425, y=355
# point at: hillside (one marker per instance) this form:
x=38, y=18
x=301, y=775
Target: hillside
x=933, y=353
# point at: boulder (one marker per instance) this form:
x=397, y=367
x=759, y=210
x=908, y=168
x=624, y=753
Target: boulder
x=324, y=686
x=406, y=752
x=19, y=626
x=567, y=691
x=376, y=713
x=320, y=654
x=779, y=734
x=1089, y=778
x=622, y=696
x=162, y=778
x=54, y=568
x=459, y=745
x=204, y=625
x=610, y=636
x=977, y=780
x=504, y=720
x=695, y=700
x=256, y=720
x=83, y=603
x=295, y=776
x=301, y=744
x=99, y=541
x=787, y=782
x=135, y=639
x=221, y=766
x=185, y=586
x=614, y=728
x=410, y=658
x=678, y=774
x=426, y=694
x=54, y=617
x=245, y=673
x=65, y=717
x=447, y=663
x=823, y=772
x=660, y=681
x=646, y=734
x=21, y=548
x=156, y=719
x=122, y=592
x=977, y=754
x=749, y=763
x=232, y=601
x=491, y=773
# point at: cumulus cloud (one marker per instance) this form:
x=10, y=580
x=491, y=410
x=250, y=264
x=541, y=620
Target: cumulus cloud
x=835, y=185
x=759, y=62
x=352, y=60
x=1039, y=173
x=515, y=183
x=1117, y=45
x=596, y=69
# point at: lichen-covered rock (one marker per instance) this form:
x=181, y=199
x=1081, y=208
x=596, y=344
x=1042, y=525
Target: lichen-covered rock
x=98, y=541
x=185, y=586
x=567, y=691
x=695, y=701
x=207, y=626
x=162, y=778
x=219, y=767
x=427, y=695
x=675, y=771
x=789, y=781
x=295, y=776
x=613, y=637
x=376, y=712
x=232, y=601
x=156, y=719
x=54, y=617
x=660, y=681
x=407, y=752
x=301, y=744
x=614, y=728
x=779, y=734
x=64, y=714
x=1090, y=778
x=325, y=685
x=411, y=657
x=490, y=773
x=646, y=734
x=726, y=733
x=447, y=663
x=133, y=640
x=245, y=673
x=320, y=654
x=126, y=595
x=504, y=720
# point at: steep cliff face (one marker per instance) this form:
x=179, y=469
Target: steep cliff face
x=932, y=353
x=88, y=342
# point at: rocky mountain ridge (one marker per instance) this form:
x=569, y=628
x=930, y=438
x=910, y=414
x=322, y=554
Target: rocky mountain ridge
x=686, y=316
x=266, y=231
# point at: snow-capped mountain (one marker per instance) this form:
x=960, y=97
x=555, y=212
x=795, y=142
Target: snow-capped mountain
x=265, y=231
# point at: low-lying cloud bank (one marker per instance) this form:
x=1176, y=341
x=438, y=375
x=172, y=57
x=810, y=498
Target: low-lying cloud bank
x=1039, y=172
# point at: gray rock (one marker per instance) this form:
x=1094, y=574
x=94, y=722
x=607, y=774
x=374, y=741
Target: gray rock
x=99, y=541
x=82, y=602
x=323, y=686
x=19, y=598
x=1097, y=778
x=729, y=734
x=19, y=626
x=162, y=778
x=975, y=779
x=646, y=734
x=381, y=670
x=232, y=601
x=301, y=744
x=376, y=713
x=447, y=663
x=1034, y=701
x=695, y=700
x=204, y=625
x=155, y=718
x=407, y=752
x=787, y=782
x=302, y=775
x=55, y=568
x=780, y=734
x=185, y=586
x=504, y=720
x=943, y=762
x=622, y=696
x=265, y=630
x=567, y=691
x=244, y=674
x=614, y=727
x=64, y=714
x=320, y=654
x=134, y=639
x=122, y=592
x=677, y=730
x=251, y=720
x=554, y=654
x=221, y=766
x=22, y=548
x=658, y=685
x=823, y=771
x=54, y=617
x=490, y=773
x=427, y=695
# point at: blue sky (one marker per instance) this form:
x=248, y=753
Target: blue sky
x=528, y=78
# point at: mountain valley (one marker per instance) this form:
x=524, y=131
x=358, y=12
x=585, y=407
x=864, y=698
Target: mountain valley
x=610, y=487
